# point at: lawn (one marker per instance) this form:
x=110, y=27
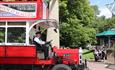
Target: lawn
x=88, y=54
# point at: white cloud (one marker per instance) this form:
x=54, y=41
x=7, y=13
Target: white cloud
x=105, y=12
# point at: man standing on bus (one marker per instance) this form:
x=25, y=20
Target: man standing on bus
x=40, y=44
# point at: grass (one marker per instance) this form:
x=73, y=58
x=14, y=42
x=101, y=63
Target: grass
x=88, y=54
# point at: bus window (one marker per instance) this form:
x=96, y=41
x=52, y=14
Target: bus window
x=2, y=34
x=16, y=35
x=2, y=23
x=16, y=23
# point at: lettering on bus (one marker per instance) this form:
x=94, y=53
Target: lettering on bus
x=20, y=7
x=16, y=0
x=18, y=10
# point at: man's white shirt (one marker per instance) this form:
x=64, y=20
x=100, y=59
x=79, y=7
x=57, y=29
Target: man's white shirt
x=39, y=41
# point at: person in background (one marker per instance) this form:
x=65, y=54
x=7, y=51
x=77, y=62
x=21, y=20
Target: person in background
x=96, y=54
x=104, y=53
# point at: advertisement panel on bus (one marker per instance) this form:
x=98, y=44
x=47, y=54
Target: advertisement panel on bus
x=21, y=10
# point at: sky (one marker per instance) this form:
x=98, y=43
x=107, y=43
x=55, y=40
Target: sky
x=102, y=7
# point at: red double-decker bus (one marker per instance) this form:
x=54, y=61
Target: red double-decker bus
x=19, y=21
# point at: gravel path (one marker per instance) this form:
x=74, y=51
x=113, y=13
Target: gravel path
x=97, y=66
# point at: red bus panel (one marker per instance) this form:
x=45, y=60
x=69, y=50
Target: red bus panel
x=68, y=54
x=2, y=51
x=17, y=60
x=20, y=51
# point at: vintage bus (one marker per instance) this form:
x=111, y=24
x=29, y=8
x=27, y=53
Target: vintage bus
x=19, y=21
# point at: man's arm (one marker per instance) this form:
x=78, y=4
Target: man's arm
x=38, y=41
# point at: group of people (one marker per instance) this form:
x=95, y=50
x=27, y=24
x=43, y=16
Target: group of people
x=100, y=53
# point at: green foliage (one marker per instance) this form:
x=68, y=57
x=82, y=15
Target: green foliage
x=111, y=22
x=47, y=1
x=99, y=24
x=102, y=24
x=89, y=55
x=96, y=11
x=76, y=18
x=63, y=12
x=82, y=10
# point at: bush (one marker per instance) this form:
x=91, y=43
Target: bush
x=88, y=54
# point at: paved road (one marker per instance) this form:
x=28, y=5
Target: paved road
x=97, y=66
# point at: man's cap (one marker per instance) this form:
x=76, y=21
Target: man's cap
x=38, y=32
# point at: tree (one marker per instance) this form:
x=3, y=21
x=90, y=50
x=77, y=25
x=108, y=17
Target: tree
x=76, y=18
x=111, y=22
x=102, y=24
x=82, y=10
x=96, y=10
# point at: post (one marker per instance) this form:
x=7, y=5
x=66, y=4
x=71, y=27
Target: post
x=80, y=56
x=53, y=14
x=109, y=42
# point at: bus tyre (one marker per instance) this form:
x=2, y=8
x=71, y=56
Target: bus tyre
x=61, y=67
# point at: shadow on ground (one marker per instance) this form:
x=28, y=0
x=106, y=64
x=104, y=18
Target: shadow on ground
x=111, y=66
